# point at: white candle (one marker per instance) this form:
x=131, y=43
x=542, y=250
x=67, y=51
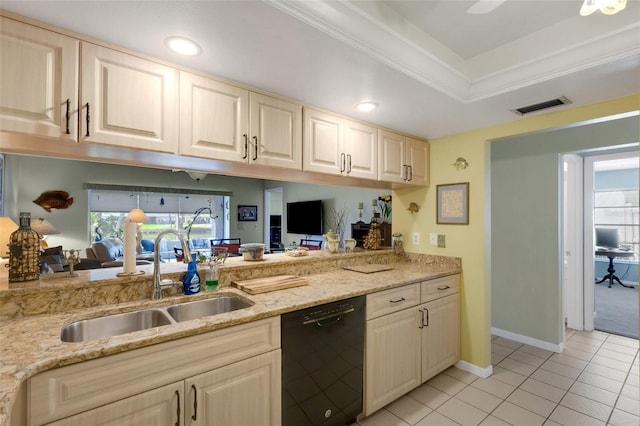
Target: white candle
x=129, y=266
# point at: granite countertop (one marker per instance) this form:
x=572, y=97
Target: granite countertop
x=31, y=344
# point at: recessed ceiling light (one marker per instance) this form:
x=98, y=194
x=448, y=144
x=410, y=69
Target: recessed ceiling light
x=367, y=106
x=183, y=46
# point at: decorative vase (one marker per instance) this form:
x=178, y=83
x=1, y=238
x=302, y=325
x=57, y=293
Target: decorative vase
x=24, y=247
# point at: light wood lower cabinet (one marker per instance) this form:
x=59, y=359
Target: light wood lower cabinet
x=411, y=336
x=226, y=377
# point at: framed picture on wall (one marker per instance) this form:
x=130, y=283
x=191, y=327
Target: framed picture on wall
x=247, y=213
x=453, y=204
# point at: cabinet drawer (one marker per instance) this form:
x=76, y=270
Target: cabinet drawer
x=79, y=387
x=392, y=300
x=440, y=287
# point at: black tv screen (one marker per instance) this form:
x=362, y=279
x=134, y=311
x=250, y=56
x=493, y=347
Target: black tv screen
x=305, y=217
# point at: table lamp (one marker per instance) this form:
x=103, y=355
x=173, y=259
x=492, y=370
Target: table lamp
x=134, y=217
x=44, y=228
x=7, y=226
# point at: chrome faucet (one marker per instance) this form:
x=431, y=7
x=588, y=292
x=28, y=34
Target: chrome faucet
x=186, y=253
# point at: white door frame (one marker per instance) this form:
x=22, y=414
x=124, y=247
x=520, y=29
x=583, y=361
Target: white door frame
x=267, y=214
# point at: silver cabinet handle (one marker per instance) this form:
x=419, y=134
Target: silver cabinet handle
x=342, y=162
x=410, y=168
x=255, y=148
x=68, y=115
x=402, y=299
x=194, y=416
x=427, y=311
x=405, y=169
x=88, y=118
x=178, y=410
x=246, y=147
x=349, y=163
x=446, y=287
x=421, y=318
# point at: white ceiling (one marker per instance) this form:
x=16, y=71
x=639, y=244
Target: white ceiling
x=433, y=68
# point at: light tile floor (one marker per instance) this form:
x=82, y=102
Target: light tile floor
x=595, y=381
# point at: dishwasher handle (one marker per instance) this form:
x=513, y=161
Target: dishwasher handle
x=319, y=323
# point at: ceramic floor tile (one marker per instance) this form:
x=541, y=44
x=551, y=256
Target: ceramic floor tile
x=607, y=362
x=543, y=390
x=561, y=369
x=634, y=380
x=620, y=348
x=569, y=417
x=630, y=391
x=565, y=359
x=586, y=406
x=576, y=346
x=494, y=387
x=607, y=372
x=622, y=418
x=595, y=334
x=577, y=353
x=506, y=342
x=531, y=402
x=552, y=379
x=429, y=396
x=508, y=377
x=462, y=412
x=447, y=384
x=616, y=356
x=463, y=376
x=591, y=341
x=494, y=421
x=630, y=405
x=600, y=382
x=479, y=399
x=516, y=415
x=527, y=358
x=624, y=341
x=408, y=409
x=551, y=423
x=501, y=350
x=533, y=350
x=517, y=366
x=594, y=393
x=436, y=419
x=496, y=358
x=382, y=418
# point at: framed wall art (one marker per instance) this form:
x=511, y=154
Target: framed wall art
x=247, y=213
x=453, y=203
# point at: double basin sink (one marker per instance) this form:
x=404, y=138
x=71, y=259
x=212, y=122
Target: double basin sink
x=117, y=324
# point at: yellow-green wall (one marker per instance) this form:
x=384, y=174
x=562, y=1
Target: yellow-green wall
x=471, y=242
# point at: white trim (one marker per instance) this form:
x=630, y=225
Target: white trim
x=474, y=369
x=555, y=347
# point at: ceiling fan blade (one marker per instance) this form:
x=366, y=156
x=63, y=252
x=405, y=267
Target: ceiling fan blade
x=484, y=6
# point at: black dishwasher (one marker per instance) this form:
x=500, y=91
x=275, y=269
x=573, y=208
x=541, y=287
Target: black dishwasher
x=322, y=364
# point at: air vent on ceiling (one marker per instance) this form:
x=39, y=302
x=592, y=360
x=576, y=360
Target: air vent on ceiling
x=541, y=105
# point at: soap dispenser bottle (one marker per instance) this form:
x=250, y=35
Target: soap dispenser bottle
x=192, y=279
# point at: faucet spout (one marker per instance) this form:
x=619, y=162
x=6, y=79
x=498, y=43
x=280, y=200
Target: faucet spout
x=157, y=283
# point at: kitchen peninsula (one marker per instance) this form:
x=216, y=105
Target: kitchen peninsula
x=34, y=313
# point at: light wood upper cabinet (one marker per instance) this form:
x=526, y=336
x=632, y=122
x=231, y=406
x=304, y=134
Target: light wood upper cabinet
x=335, y=145
x=225, y=122
x=127, y=101
x=38, y=74
x=403, y=159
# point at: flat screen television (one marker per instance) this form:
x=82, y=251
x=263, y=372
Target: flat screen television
x=305, y=217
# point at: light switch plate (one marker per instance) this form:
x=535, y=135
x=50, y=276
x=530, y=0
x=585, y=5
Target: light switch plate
x=433, y=239
x=416, y=238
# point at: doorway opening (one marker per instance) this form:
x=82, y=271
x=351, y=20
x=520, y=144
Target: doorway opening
x=273, y=219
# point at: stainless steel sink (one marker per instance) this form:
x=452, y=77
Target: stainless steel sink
x=114, y=325
x=204, y=308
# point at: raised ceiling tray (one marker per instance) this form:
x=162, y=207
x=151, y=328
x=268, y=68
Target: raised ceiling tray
x=369, y=268
x=264, y=285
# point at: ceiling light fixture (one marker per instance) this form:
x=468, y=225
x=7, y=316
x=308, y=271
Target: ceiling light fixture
x=183, y=46
x=608, y=7
x=366, y=106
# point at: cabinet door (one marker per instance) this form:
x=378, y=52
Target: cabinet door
x=214, y=119
x=391, y=157
x=392, y=358
x=323, y=136
x=127, y=101
x=38, y=74
x=440, y=335
x=162, y=406
x=276, y=132
x=247, y=393
x=417, y=152
x=361, y=149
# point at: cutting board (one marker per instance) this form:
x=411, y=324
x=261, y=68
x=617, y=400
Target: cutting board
x=369, y=268
x=263, y=285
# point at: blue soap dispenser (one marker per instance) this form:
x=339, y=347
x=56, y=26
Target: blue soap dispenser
x=192, y=279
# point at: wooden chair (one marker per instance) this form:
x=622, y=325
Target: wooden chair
x=232, y=245
x=311, y=244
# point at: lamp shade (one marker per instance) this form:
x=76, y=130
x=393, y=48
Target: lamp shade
x=137, y=216
x=7, y=226
x=43, y=227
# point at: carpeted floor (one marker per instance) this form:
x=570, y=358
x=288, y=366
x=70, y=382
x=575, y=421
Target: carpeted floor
x=617, y=309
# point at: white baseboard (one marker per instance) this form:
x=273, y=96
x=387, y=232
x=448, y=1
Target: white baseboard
x=474, y=369
x=528, y=340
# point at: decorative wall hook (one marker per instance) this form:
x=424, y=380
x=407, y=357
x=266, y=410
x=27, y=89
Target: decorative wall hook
x=413, y=208
x=460, y=163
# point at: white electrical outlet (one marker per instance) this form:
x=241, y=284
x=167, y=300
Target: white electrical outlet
x=416, y=238
x=433, y=239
